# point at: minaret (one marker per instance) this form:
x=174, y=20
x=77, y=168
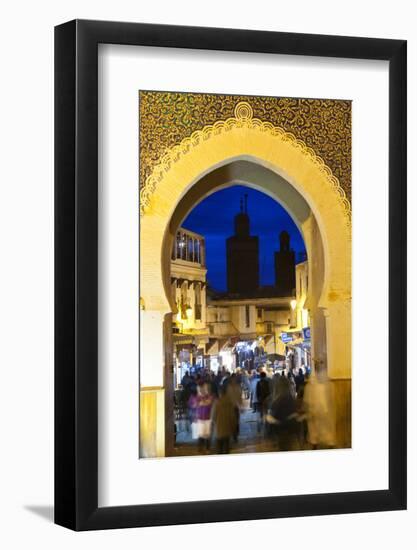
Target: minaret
x=242, y=251
x=285, y=266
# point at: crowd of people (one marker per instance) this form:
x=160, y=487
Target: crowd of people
x=293, y=408
x=213, y=402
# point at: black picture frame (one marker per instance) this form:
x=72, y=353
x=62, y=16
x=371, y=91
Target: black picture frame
x=76, y=272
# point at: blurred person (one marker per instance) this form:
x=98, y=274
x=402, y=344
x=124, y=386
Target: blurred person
x=283, y=415
x=276, y=376
x=192, y=412
x=212, y=381
x=299, y=379
x=282, y=400
x=205, y=401
x=263, y=391
x=189, y=385
x=252, y=384
x=218, y=378
x=320, y=411
x=234, y=391
x=226, y=378
x=224, y=420
x=245, y=384
x=291, y=380
x=186, y=379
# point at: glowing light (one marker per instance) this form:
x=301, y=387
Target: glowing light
x=293, y=304
x=227, y=359
x=304, y=317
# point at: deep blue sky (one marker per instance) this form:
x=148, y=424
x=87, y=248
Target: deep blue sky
x=213, y=218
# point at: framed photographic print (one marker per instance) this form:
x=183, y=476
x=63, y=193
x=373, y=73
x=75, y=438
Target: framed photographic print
x=230, y=275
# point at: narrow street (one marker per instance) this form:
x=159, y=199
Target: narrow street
x=251, y=437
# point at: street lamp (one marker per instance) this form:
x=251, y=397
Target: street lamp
x=293, y=304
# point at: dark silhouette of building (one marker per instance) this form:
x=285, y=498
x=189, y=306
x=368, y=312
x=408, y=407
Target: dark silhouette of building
x=242, y=256
x=285, y=266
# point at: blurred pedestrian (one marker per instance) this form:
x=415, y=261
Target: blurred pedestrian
x=192, y=412
x=319, y=406
x=234, y=391
x=186, y=379
x=245, y=384
x=299, y=379
x=253, y=397
x=291, y=380
x=224, y=420
x=263, y=391
x=282, y=416
x=204, y=405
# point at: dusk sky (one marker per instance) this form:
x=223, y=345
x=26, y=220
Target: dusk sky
x=213, y=218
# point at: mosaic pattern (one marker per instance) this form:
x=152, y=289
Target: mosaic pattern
x=168, y=118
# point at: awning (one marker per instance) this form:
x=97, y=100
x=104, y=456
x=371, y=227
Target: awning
x=183, y=339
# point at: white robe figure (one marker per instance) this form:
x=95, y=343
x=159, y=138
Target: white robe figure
x=320, y=409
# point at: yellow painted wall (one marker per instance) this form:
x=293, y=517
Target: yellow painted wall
x=152, y=430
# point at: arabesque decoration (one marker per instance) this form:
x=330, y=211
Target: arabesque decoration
x=171, y=119
x=243, y=117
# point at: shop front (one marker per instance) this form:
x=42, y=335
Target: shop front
x=298, y=348
x=188, y=357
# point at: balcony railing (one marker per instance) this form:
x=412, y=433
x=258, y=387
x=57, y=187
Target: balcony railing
x=189, y=247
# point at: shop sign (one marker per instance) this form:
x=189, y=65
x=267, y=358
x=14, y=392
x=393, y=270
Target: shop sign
x=306, y=333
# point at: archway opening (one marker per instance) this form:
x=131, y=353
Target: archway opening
x=236, y=272
x=326, y=238
x=241, y=245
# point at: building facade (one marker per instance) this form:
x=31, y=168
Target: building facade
x=245, y=333
x=297, y=339
x=230, y=330
x=188, y=288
